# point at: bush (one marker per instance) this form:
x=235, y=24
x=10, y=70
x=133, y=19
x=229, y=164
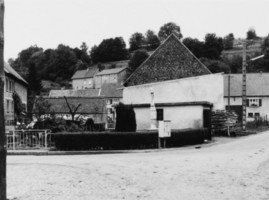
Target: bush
x=125, y=120
x=125, y=140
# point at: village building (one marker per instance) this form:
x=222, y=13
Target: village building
x=257, y=94
x=113, y=76
x=172, y=84
x=90, y=108
x=83, y=79
x=13, y=83
x=96, y=75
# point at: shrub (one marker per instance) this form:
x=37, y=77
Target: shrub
x=125, y=140
x=125, y=120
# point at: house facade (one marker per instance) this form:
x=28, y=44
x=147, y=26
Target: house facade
x=96, y=75
x=83, y=79
x=110, y=76
x=93, y=108
x=257, y=94
x=13, y=83
x=172, y=84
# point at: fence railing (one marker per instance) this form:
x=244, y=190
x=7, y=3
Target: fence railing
x=29, y=139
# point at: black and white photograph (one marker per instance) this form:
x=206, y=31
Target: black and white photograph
x=134, y=100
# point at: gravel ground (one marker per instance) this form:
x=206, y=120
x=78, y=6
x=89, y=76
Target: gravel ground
x=234, y=169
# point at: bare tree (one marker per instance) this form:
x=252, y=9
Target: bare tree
x=72, y=109
x=3, y=150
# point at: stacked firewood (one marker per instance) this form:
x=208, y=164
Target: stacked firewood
x=222, y=120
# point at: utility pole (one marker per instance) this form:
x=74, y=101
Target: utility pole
x=229, y=90
x=244, y=88
x=3, y=151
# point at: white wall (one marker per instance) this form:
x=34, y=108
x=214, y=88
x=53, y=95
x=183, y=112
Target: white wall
x=200, y=88
x=182, y=117
x=263, y=110
x=82, y=83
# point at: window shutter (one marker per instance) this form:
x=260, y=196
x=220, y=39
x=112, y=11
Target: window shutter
x=247, y=102
x=260, y=102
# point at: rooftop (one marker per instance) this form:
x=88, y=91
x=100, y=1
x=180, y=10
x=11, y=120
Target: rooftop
x=86, y=73
x=111, y=71
x=171, y=60
x=10, y=71
x=75, y=93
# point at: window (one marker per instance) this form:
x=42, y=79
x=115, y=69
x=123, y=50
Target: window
x=250, y=114
x=7, y=85
x=253, y=102
x=257, y=114
x=159, y=114
x=7, y=106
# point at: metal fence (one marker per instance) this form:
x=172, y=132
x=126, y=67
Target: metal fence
x=29, y=139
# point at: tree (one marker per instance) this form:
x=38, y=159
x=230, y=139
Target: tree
x=19, y=108
x=213, y=46
x=41, y=107
x=251, y=34
x=228, y=41
x=265, y=45
x=72, y=109
x=125, y=120
x=34, y=81
x=216, y=66
x=137, y=41
x=152, y=40
x=113, y=49
x=169, y=28
x=195, y=46
x=138, y=58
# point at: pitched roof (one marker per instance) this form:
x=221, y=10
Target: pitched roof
x=257, y=84
x=86, y=73
x=118, y=64
x=91, y=105
x=75, y=93
x=113, y=90
x=46, y=84
x=10, y=71
x=171, y=60
x=111, y=71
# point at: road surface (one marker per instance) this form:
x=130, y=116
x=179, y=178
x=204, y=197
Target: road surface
x=238, y=169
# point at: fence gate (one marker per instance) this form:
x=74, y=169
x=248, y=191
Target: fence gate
x=29, y=139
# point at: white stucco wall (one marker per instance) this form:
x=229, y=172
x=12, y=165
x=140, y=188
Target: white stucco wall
x=82, y=83
x=263, y=110
x=182, y=117
x=200, y=88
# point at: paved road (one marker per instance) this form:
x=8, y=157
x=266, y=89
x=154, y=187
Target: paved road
x=238, y=169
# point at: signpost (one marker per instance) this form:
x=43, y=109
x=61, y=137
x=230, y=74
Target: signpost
x=164, y=132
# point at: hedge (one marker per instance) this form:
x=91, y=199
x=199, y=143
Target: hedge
x=126, y=140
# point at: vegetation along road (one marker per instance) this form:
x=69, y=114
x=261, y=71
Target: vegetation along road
x=238, y=169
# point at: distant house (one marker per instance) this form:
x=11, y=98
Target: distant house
x=13, y=83
x=182, y=89
x=83, y=79
x=47, y=86
x=257, y=94
x=114, y=76
x=111, y=93
x=96, y=75
x=94, y=108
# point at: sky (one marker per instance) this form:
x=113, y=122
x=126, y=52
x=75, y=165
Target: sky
x=48, y=23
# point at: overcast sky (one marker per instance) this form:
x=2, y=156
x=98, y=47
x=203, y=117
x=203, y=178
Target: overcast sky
x=47, y=23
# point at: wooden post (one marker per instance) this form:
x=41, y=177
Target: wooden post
x=2, y=115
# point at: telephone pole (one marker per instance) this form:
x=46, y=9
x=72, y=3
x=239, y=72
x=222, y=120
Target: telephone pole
x=3, y=151
x=244, y=88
